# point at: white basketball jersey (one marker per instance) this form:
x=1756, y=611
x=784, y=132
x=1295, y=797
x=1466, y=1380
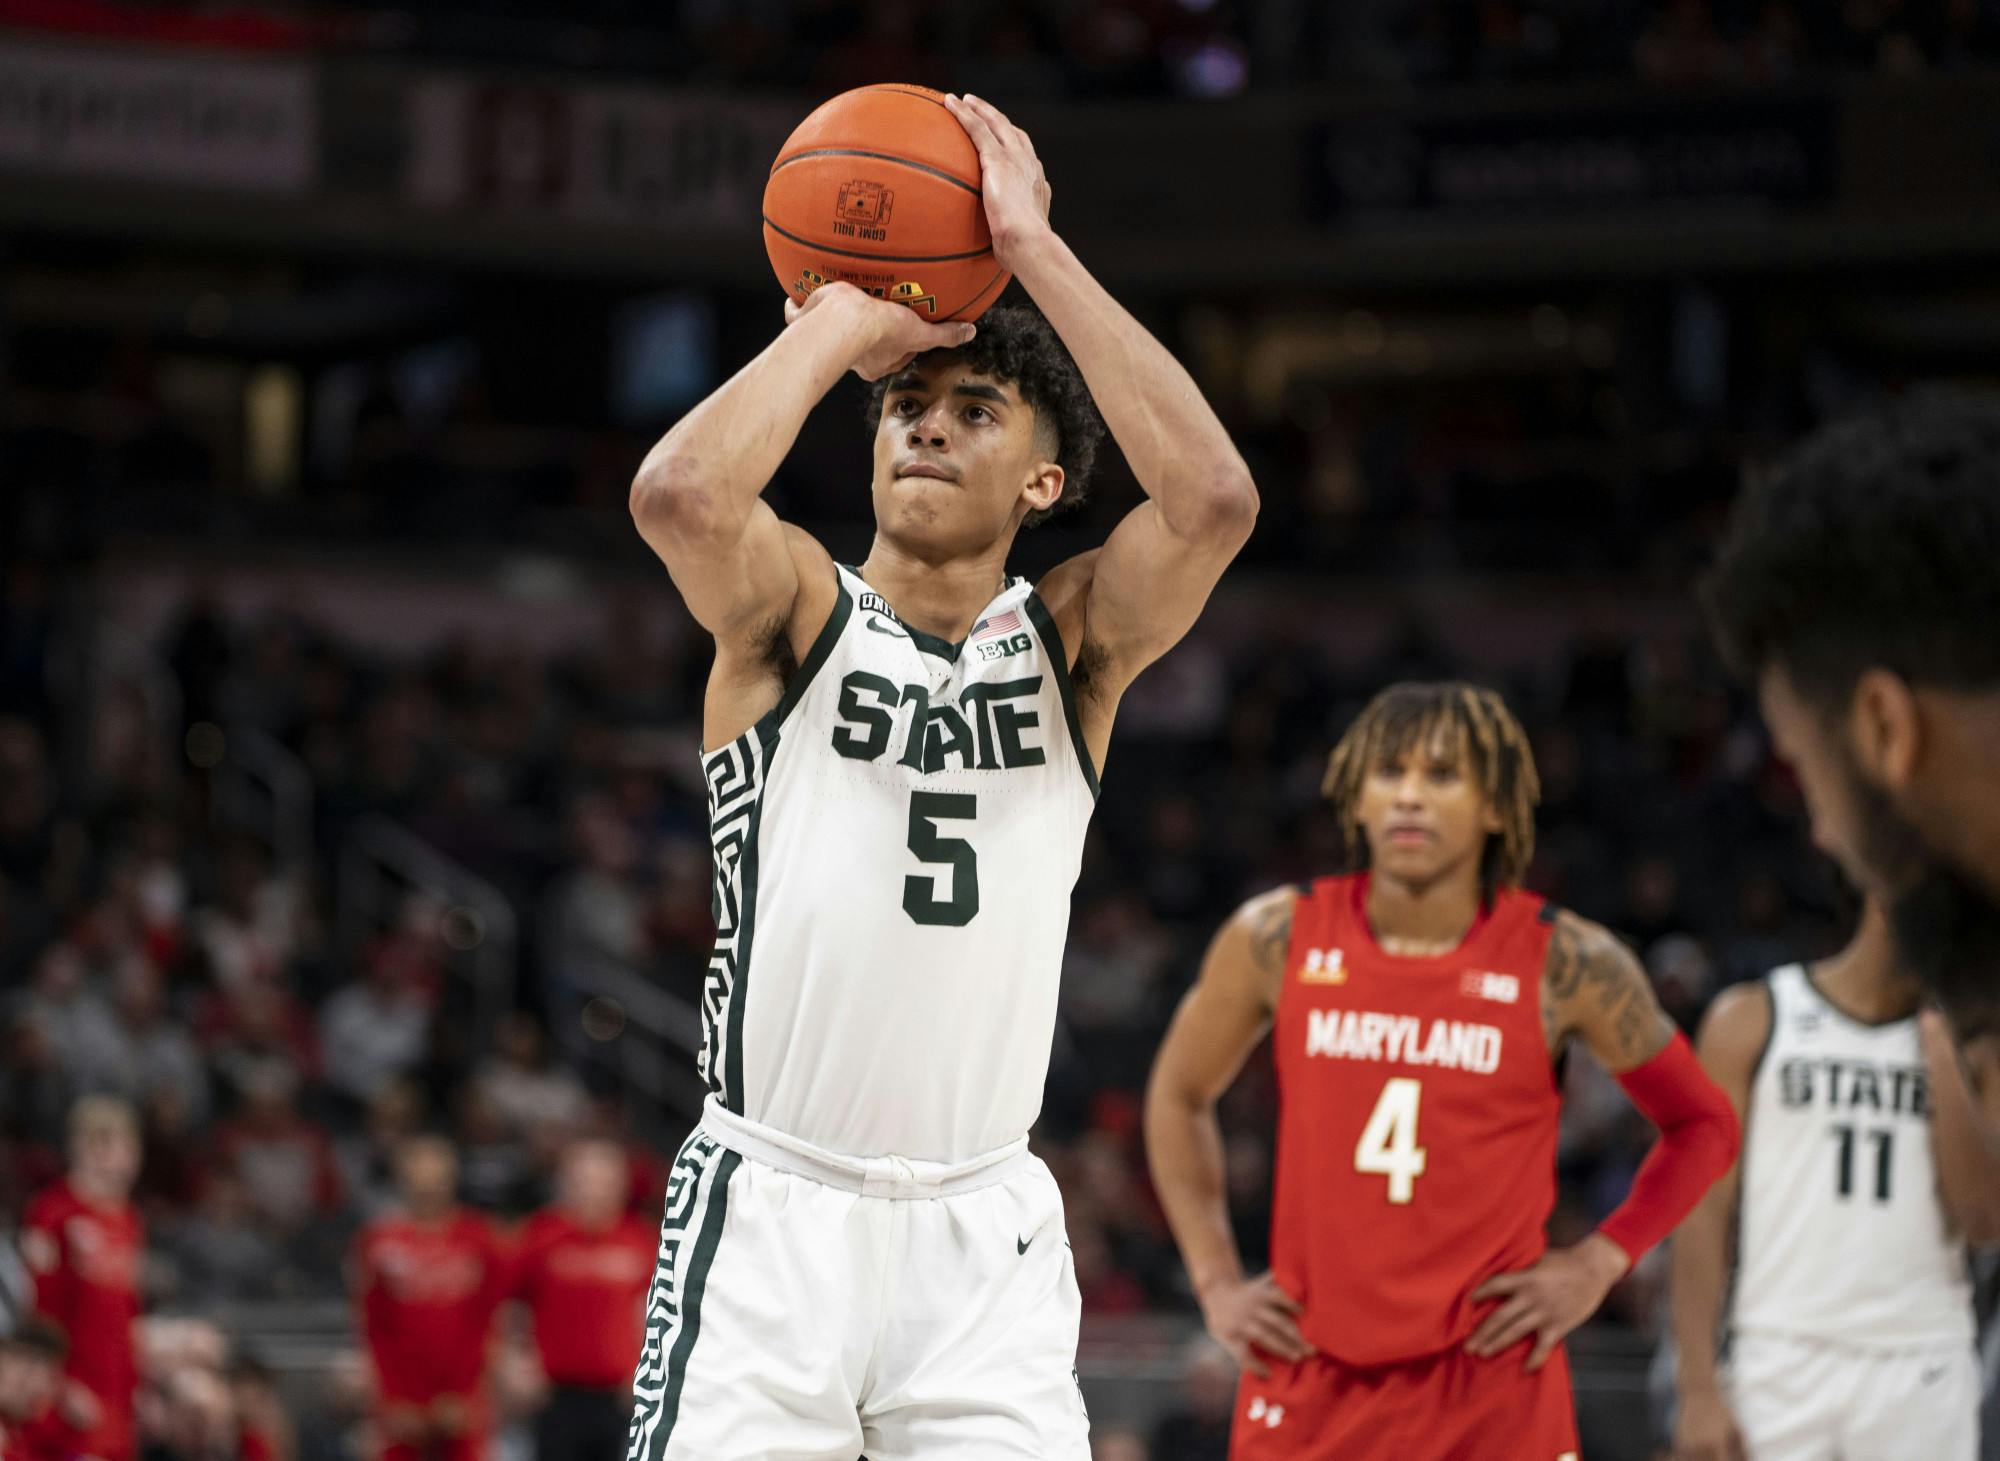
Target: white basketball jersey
x=1842, y=1235
x=895, y=845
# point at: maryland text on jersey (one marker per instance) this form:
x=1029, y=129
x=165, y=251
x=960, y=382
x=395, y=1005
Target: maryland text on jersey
x=1403, y=1039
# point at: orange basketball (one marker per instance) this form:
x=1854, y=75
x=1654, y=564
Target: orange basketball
x=880, y=187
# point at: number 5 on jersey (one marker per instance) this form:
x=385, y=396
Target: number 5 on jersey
x=1388, y=1145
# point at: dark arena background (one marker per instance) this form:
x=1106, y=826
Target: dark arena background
x=348, y=775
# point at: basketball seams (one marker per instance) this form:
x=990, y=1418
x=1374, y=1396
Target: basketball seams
x=807, y=243
x=925, y=167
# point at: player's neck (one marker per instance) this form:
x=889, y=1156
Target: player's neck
x=94, y=1192
x=1421, y=920
x=941, y=597
x=1863, y=978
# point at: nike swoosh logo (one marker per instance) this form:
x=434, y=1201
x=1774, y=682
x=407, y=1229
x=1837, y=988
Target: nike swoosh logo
x=880, y=628
x=1021, y=1244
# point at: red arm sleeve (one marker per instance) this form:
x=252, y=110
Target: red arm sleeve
x=1699, y=1139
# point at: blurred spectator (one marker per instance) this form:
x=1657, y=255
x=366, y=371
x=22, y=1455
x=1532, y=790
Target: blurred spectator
x=85, y=1246
x=523, y=1081
x=254, y=1028
x=31, y=1381
x=373, y=1030
x=283, y=1159
x=426, y=1283
x=129, y=1047
x=198, y=1420
x=498, y=1169
x=222, y=1251
x=367, y=1158
x=251, y=930
x=583, y=1269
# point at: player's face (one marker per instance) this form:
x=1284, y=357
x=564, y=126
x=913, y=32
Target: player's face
x=108, y=1156
x=957, y=463
x=429, y=1174
x=1424, y=814
x=1946, y=924
x=594, y=1180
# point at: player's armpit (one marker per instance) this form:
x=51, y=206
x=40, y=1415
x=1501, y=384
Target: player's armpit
x=1150, y=580
x=1594, y=987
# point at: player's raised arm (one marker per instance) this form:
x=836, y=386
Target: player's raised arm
x=1968, y=1168
x=1593, y=988
x=697, y=498
x=1731, y=1038
x=1145, y=587
x=1219, y=1023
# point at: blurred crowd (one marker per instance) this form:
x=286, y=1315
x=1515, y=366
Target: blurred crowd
x=1025, y=49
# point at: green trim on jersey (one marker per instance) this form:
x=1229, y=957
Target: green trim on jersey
x=1052, y=648
x=705, y=1244
x=933, y=644
x=822, y=647
x=766, y=732
x=746, y=921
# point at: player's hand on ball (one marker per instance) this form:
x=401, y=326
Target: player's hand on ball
x=1011, y=181
x=1705, y=1430
x=889, y=335
x=1548, y=1300
x=1252, y=1315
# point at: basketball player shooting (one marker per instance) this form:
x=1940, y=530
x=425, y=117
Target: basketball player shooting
x=1418, y=1007
x=859, y=1253
x=1858, y=589
x=1863, y=1178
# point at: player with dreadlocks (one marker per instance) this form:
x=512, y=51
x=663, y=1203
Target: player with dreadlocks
x=1418, y=1004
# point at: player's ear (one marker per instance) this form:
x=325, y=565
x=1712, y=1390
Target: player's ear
x=1044, y=487
x=1885, y=727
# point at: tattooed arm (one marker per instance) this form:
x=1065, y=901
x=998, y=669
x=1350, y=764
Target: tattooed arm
x=1219, y=1023
x=1594, y=988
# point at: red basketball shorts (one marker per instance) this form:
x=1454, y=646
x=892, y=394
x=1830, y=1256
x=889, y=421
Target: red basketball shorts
x=1447, y=1407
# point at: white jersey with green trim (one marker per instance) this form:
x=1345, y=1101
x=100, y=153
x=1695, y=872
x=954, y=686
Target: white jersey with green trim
x=1842, y=1236
x=895, y=844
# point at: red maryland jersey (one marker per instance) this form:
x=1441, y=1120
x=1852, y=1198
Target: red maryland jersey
x=1416, y=1124
x=427, y=1293
x=587, y=1291
x=87, y=1261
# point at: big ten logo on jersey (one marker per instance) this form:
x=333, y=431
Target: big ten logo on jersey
x=1323, y=966
x=1500, y=988
x=1855, y=1085
x=986, y=729
x=1000, y=636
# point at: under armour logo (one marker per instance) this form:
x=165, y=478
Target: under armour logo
x=1271, y=1415
x=1323, y=966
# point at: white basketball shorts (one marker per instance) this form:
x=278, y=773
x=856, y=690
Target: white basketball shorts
x=1801, y=1400
x=812, y=1307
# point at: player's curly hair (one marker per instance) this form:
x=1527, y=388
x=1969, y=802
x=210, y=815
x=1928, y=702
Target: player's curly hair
x=1478, y=731
x=1876, y=542
x=1015, y=344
